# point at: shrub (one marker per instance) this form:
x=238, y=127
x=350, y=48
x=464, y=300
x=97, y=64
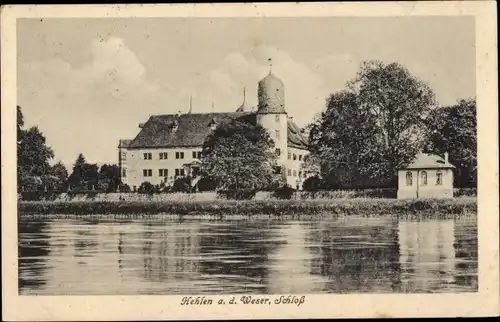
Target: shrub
x=312, y=184
x=124, y=188
x=206, y=184
x=237, y=194
x=284, y=192
x=147, y=187
x=181, y=185
x=465, y=192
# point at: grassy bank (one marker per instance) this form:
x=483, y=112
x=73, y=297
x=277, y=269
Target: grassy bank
x=223, y=208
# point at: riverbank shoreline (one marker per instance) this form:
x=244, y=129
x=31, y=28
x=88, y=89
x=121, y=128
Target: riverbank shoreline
x=252, y=208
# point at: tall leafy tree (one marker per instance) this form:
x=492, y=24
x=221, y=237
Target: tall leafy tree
x=84, y=175
x=109, y=177
x=238, y=155
x=373, y=128
x=343, y=143
x=35, y=174
x=453, y=129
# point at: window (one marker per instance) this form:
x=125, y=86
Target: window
x=423, y=178
x=179, y=172
x=289, y=156
x=147, y=156
x=277, y=118
x=409, y=178
x=290, y=172
x=196, y=154
x=439, y=178
x=179, y=155
x=300, y=174
x=124, y=156
x=124, y=172
x=294, y=156
x=147, y=173
x=277, y=133
x=134, y=188
x=294, y=173
x=163, y=172
x=300, y=157
x=278, y=152
x=163, y=155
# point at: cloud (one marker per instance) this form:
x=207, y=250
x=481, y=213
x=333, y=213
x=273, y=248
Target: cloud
x=89, y=108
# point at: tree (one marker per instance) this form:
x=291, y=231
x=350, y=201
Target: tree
x=453, y=129
x=109, y=177
x=371, y=129
x=343, y=143
x=34, y=154
x=238, y=155
x=36, y=177
x=84, y=175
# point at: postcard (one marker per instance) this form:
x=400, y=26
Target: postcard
x=230, y=161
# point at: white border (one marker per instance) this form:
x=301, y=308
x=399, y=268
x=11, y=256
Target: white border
x=483, y=303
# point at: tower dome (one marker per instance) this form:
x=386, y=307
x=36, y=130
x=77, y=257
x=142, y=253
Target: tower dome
x=271, y=94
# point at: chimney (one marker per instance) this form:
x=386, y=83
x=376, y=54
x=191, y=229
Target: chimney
x=446, y=157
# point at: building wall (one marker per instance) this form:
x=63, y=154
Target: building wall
x=430, y=190
x=273, y=123
x=134, y=164
x=294, y=162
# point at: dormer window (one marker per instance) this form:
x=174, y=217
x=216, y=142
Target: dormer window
x=213, y=124
x=175, y=126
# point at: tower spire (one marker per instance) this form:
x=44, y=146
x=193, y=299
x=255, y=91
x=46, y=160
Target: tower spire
x=270, y=66
x=244, y=96
x=190, y=103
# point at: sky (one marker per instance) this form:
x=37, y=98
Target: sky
x=86, y=83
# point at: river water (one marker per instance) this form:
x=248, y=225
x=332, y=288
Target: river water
x=338, y=255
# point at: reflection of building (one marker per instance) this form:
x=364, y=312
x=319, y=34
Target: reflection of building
x=291, y=263
x=169, y=146
x=427, y=254
x=429, y=176
x=357, y=255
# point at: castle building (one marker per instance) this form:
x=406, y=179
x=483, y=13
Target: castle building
x=169, y=146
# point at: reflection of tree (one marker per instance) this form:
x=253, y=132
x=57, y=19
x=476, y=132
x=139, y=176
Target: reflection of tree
x=33, y=249
x=85, y=239
x=238, y=254
x=358, y=258
x=466, y=253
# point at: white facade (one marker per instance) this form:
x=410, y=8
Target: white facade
x=276, y=126
x=425, y=183
x=163, y=165
x=156, y=165
x=295, y=173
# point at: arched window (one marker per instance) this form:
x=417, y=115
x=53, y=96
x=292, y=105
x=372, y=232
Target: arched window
x=277, y=133
x=439, y=178
x=423, y=178
x=409, y=178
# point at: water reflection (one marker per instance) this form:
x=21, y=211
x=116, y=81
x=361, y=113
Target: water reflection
x=170, y=257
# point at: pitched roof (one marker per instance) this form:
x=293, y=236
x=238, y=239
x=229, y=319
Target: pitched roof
x=295, y=137
x=429, y=161
x=192, y=129
x=124, y=143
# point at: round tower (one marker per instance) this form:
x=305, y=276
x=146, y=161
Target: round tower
x=271, y=113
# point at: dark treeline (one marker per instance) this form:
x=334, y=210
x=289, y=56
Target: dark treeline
x=379, y=123
x=38, y=179
x=369, y=130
